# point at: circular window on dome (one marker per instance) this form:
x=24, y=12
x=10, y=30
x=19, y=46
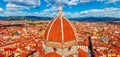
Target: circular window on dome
x=69, y=48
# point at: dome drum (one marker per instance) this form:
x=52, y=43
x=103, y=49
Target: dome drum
x=59, y=44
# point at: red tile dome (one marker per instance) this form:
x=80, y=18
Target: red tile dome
x=60, y=30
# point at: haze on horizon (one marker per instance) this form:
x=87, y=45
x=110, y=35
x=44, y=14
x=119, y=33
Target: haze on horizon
x=71, y=8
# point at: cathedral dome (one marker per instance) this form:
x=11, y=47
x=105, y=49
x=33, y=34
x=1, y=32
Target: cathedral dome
x=60, y=30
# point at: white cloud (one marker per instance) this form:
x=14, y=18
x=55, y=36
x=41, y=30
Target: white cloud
x=49, y=12
x=112, y=1
x=75, y=2
x=102, y=0
x=107, y=12
x=72, y=2
x=45, y=14
x=31, y=3
x=14, y=13
x=51, y=9
x=64, y=2
x=85, y=1
x=1, y=9
x=22, y=4
x=10, y=6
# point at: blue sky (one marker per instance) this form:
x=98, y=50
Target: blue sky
x=71, y=8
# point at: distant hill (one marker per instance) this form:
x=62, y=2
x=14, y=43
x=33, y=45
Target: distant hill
x=103, y=19
x=10, y=18
x=97, y=19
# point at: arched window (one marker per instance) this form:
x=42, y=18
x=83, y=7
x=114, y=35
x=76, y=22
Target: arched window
x=54, y=49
